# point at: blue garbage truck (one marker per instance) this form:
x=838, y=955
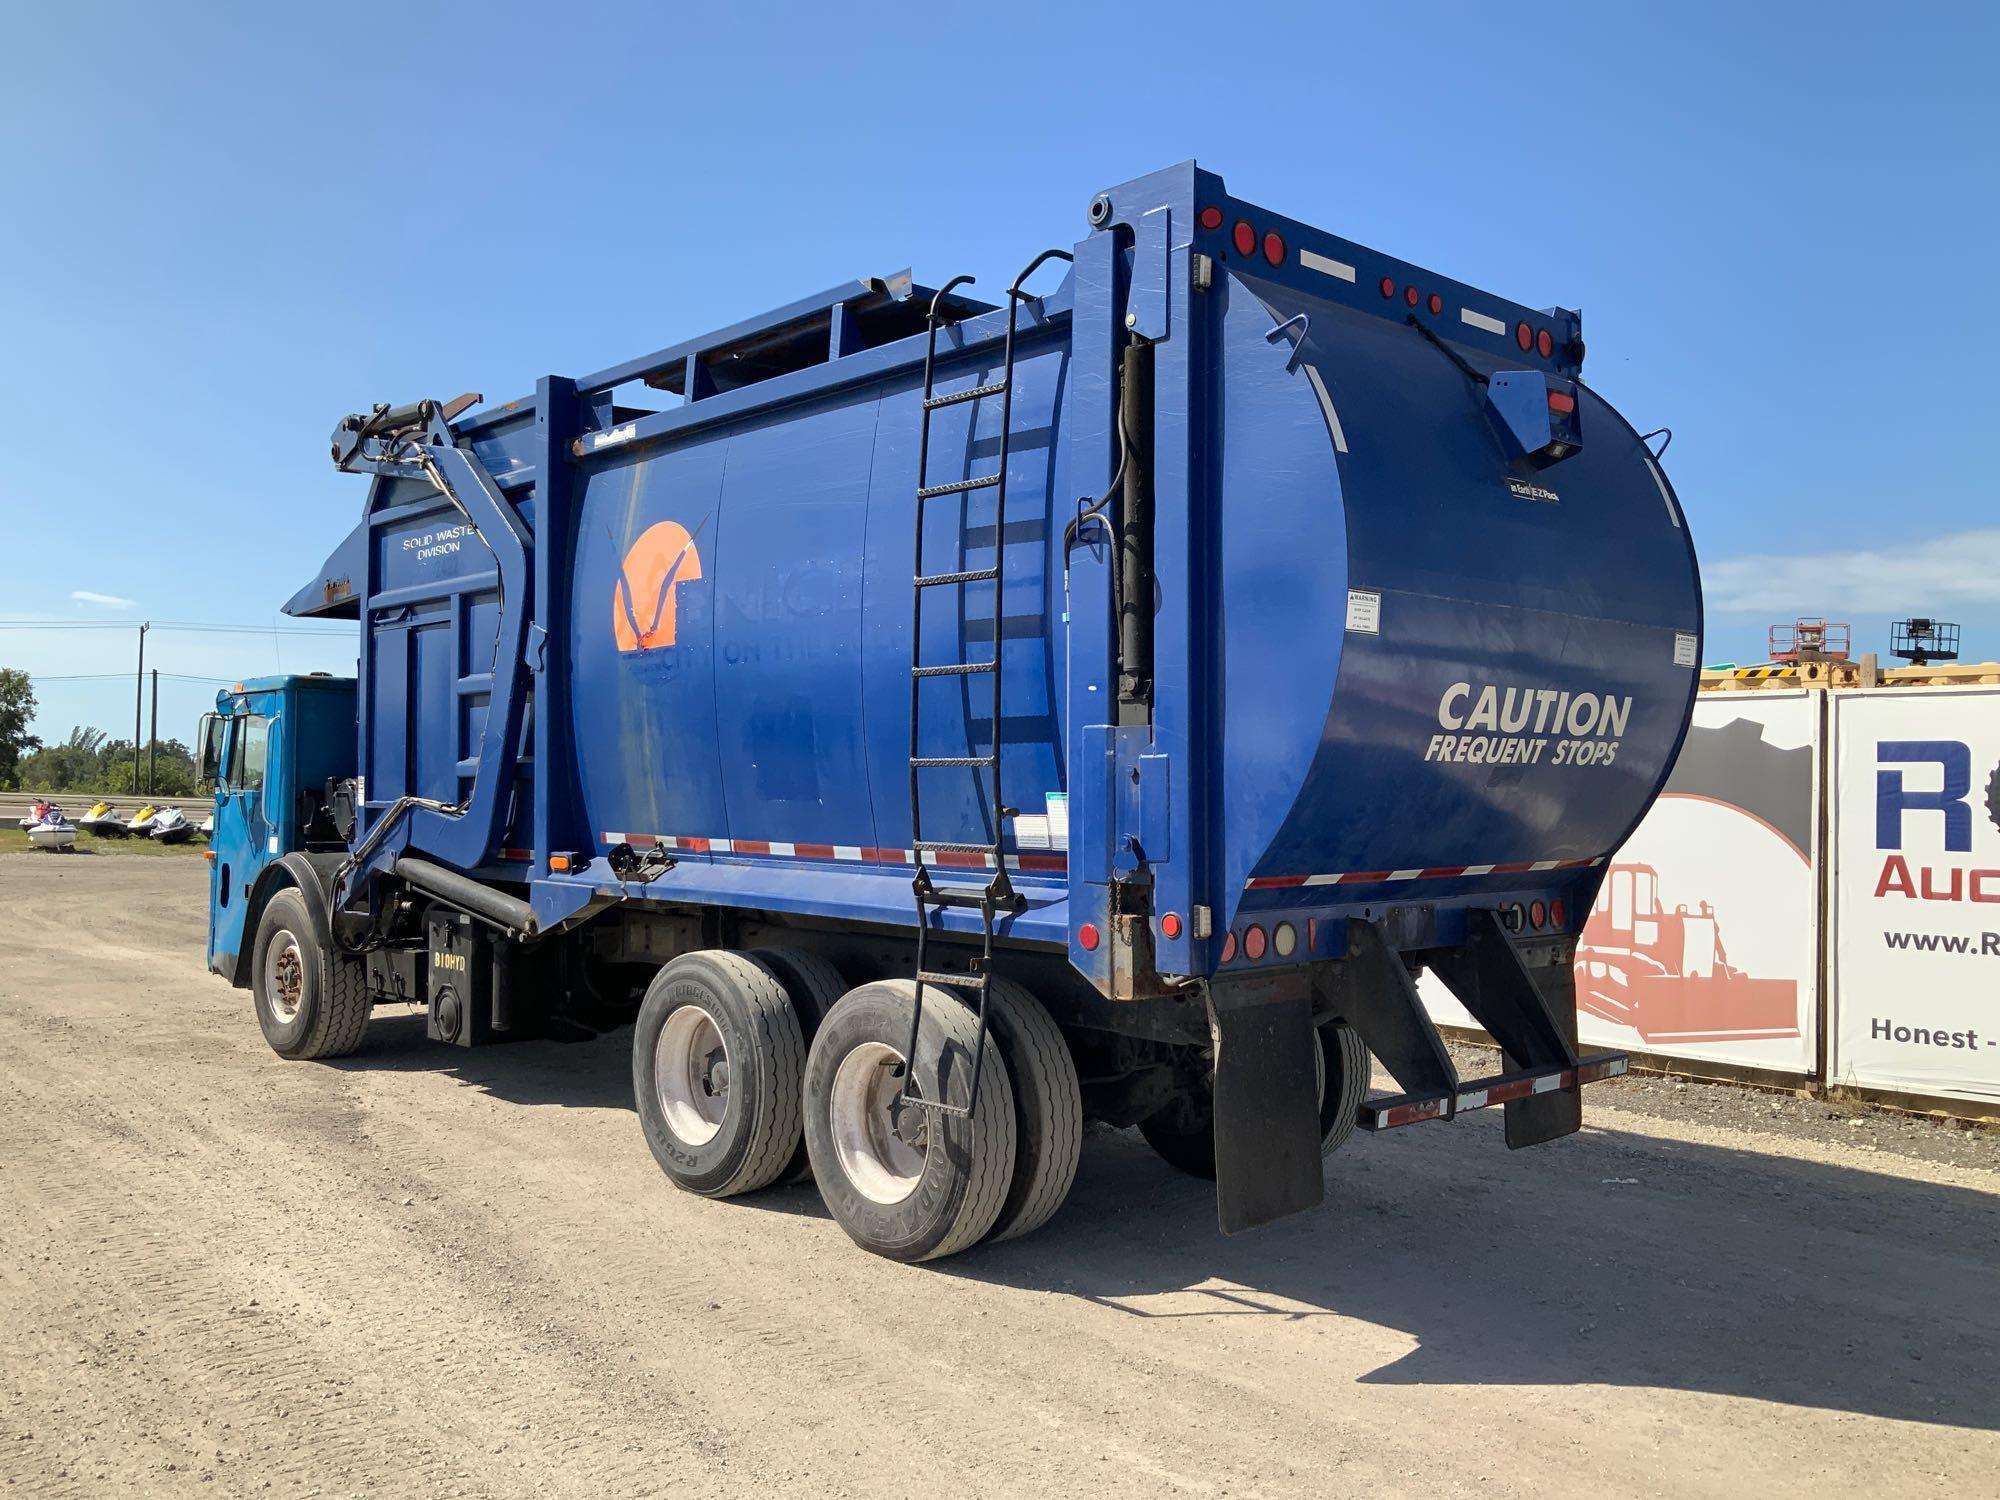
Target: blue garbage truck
x=932, y=722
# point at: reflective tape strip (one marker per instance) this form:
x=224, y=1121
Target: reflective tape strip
x=1312, y=260
x=1434, y=872
x=835, y=853
x=1480, y=320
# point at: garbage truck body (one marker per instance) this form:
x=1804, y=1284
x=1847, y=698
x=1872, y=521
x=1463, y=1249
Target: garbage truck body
x=1167, y=659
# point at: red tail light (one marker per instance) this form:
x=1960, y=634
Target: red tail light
x=1524, y=336
x=1558, y=913
x=1274, y=248
x=1436, y=304
x=1170, y=925
x=1410, y=295
x=1388, y=286
x=1562, y=401
x=1545, y=343
x=1211, y=217
x=1254, y=943
x=1228, y=947
x=1246, y=237
x=1538, y=915
x=1086, y=937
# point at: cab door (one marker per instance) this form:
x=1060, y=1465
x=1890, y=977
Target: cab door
x=243, y=842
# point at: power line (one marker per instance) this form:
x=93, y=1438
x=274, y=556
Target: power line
x=119, y=677
x=197, y=626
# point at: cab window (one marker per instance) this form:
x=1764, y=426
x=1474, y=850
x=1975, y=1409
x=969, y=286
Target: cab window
x=247, y=748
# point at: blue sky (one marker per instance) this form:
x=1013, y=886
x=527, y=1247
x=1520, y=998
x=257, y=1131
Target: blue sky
x=221, y=234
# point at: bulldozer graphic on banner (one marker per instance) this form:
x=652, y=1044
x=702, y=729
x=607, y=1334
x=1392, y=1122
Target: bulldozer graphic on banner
x=1666, y=974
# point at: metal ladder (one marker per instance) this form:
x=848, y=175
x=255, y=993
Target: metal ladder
x=998, y=894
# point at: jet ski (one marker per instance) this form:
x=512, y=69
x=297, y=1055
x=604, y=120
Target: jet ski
x=206, y=828
x=36, y=810
x=142, y=820
x=54, y=831
x=172, y=827
x=103, y=821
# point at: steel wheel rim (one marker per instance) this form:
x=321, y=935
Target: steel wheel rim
x=691, y=1075
x=863, y=1113
x=284, y=977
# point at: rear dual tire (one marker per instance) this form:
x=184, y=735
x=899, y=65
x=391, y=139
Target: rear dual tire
x=905, y=1181
x=718, y=1057
x=1183, y=1134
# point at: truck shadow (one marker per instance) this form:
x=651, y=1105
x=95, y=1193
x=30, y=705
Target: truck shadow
x=1610, y=1258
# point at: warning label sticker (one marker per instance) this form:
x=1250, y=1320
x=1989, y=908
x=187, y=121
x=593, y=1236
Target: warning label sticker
x=1364, y=611
x=1684, y=649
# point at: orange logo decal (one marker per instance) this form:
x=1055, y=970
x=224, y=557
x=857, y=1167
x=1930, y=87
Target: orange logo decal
x=642, y=605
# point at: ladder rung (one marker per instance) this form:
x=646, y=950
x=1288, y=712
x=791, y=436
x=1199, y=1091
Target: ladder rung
x=972, y=395
x=956, y=669
x=951, y=760
x=971, y=981
x=957, y=486
x=928, y=846
x=972, y=575
x=967, y=896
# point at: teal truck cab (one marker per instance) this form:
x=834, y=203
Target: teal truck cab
x=275, y=749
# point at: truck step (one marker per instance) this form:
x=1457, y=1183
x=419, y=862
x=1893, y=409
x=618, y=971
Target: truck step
x=958, y=486
x=970, y=575
x=951, y=760
x=935, y=402
x=956, y=669
x=959, y=981
x=933, y=846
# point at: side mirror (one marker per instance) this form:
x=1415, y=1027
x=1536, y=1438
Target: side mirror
x=209, y=735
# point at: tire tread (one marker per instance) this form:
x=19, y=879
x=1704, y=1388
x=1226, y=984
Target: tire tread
x=1036, y=1047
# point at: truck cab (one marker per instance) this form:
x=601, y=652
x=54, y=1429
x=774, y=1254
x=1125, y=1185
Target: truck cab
x=271, y=750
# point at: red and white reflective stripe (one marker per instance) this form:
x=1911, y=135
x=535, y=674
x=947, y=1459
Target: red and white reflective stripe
x=1500, y=1093
x=841, y=853
x=1434, y=872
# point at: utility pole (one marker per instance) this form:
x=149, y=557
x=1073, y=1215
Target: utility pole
x=139, y=705
x=153, y=739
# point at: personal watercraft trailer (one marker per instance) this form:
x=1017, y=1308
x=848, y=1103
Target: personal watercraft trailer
x=962, y=718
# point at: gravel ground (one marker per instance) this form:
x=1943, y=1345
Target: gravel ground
x=1726, y=1106
x=430, y=1272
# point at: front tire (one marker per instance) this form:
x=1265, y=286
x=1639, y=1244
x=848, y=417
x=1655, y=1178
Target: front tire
x=311, y=1002
x=717, y=1060
x=906, y=1182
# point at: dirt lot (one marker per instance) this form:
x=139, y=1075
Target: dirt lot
x=429, y=1272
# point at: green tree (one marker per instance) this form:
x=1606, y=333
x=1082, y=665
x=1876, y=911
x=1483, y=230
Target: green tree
x=17, y=710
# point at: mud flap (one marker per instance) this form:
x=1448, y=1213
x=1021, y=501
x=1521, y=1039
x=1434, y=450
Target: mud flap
x=1529, y=1009
x=1267, y=1158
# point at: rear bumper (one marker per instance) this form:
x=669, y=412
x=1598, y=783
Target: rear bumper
x=1413, y=1109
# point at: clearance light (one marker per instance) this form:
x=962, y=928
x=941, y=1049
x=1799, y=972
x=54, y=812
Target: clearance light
x=1211, y=217
x=1524, y=336
x=1170, y=925
x=1254, y=943
x=1410, y=295
x=1388, y=286
x=1274, y=248
x=1436, y=304
x=1545, y=343
x=1086, y=937
x=1246, y=237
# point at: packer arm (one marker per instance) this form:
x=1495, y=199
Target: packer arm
x=416, y=440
